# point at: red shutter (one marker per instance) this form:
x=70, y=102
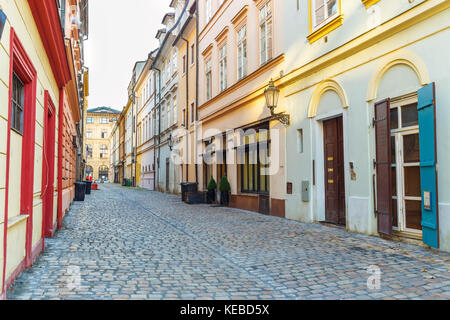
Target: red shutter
x=383, y=167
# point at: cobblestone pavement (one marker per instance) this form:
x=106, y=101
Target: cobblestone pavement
x=124, y=243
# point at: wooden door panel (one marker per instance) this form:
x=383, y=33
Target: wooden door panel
x=334, y=171
x=383, y=144
x=340, y=172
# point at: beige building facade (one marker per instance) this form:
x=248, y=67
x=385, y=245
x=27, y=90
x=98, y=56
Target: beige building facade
x=99, y=125
x=240, y=51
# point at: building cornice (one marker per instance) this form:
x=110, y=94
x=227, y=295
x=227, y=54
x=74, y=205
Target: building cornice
x=397, y=24
x=46, y=16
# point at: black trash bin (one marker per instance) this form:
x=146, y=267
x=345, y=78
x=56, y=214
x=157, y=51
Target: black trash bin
x=88, y=186
x=80, y=191
x=187, y=187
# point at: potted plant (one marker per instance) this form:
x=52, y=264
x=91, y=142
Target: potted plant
x=211, y=195
x=224, y=188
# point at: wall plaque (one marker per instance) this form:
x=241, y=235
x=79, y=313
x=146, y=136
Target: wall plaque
x=289, y=188
x=427, y=200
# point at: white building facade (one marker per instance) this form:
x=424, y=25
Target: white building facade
x=368, y=98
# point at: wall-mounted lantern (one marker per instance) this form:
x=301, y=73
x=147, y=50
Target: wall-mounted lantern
x=2, y=21
x=171, y=142
x=272, y=94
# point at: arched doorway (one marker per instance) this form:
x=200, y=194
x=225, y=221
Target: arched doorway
x=398, y=173
x=103, y=173
x=327, y=112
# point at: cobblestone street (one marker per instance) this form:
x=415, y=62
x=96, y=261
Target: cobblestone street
x=135, y=244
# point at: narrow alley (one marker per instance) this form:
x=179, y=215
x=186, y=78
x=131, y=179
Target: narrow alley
x=127, y=243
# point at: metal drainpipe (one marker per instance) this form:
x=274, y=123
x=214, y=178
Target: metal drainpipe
x=187, y=102
x=159, y=120
x=196, y=85
x=135, y=138
x=154, y=143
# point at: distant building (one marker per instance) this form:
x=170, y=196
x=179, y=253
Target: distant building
x=145, y=99
x=99, y=124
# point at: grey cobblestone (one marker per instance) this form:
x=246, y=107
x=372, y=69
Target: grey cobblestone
x=135, y=244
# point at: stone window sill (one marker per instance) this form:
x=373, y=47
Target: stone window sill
x=323, y=31
x=17, y=220
x=369, y=3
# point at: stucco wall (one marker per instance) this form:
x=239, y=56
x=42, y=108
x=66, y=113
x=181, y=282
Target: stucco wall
x=19, y=16
x=354, y=74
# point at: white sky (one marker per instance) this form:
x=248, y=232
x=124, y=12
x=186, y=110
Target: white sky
x=120, y=33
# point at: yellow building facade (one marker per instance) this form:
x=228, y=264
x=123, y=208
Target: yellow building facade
x=99, y=125
x=145, y=91
x=187, y=93
x=34, y=70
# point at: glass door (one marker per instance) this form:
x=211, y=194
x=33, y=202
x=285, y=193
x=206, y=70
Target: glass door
x=406, y=189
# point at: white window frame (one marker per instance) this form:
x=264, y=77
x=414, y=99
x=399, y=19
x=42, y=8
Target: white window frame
x=208, y=78
x=400, y=165
x=327, y=18
x=208, y=11
x=174, y=62
x=265, y=19
x=223, y=66
x=174, y=111
x=169, y=114
x=242, y=52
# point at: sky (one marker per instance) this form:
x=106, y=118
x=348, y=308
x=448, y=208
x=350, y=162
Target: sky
x=120, y=33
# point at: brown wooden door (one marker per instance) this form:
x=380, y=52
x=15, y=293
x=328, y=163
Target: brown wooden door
x=383, y=167
x=334, y=171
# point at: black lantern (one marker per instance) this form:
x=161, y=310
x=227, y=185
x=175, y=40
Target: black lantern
x=272, y=94
x=171, y=142
x=2, y=22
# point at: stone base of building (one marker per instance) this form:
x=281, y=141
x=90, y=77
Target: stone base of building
x=255, y=203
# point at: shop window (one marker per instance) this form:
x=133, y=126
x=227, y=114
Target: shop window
x=254, y=159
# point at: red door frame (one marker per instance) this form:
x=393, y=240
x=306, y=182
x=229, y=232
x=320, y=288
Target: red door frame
x=60, y=156
x=48, y=167
x=21, y=65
